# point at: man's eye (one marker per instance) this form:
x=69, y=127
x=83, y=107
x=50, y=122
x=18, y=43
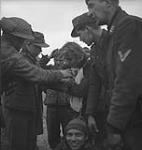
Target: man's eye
x=78, y=134
x=69, y=135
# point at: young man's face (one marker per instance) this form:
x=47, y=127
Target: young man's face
x=75, y=139
x=98, y=9
x=85, y=36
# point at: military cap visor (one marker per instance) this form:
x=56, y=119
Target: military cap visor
x=80, y=22
x=41, y=44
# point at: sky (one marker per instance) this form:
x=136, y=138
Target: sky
x=54, y=17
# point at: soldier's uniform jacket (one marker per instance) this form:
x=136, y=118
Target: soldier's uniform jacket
x=78, y=90
x=56, y=98
x=98, y=82
x=14, y=65
x=124, y=60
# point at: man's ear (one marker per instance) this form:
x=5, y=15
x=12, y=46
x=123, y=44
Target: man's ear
x=89, y=28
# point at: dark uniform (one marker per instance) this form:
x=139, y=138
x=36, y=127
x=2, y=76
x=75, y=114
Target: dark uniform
x=81, y=90
x=97, y=100
x=124, y=59
x=97, y=104
x=16, y=69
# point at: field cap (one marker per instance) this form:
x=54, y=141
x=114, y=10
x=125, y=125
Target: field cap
x=17, y=27
x=39, y=40
x=80, y=22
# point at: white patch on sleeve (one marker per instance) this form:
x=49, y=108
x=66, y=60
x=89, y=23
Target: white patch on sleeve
x=123, y=56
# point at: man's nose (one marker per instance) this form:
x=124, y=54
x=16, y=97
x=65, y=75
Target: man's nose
x=73, y=138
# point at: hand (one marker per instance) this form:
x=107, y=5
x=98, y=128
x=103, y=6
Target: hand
x=68, y=81
x=66, y=73
x=54, y=53
x=44, y=60
x=92, y=124
x=114, y=141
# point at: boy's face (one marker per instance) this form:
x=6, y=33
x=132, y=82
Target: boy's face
x=75, y=139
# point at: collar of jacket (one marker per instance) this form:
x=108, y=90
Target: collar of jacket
x=30, y=57
x=115, y=19
x=7, y=49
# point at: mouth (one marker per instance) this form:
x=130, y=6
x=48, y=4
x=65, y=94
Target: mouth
x=74, y=144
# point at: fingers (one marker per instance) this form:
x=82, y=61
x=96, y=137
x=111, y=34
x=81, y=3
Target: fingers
x=92, y=124
x=66, y=73
x=94, y=127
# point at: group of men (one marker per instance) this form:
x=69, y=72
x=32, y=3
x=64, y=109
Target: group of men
x=111, y=86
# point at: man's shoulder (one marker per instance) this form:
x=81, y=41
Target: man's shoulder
x=126, y=21
x=7, y=50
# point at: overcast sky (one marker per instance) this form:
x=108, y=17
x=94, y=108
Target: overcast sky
x=53, y=17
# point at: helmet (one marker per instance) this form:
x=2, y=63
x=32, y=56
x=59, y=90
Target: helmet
x=17, y=27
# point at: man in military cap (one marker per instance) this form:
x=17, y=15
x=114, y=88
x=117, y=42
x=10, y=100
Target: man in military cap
x=31, y=93
x=86, y=28
x=124, y=60
x=16, y=67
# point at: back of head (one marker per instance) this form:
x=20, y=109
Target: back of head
x=17, y=27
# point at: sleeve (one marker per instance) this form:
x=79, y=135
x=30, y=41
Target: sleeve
x=93, y=92
x=79, y=90
x=128, y=71
x=23, y=68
